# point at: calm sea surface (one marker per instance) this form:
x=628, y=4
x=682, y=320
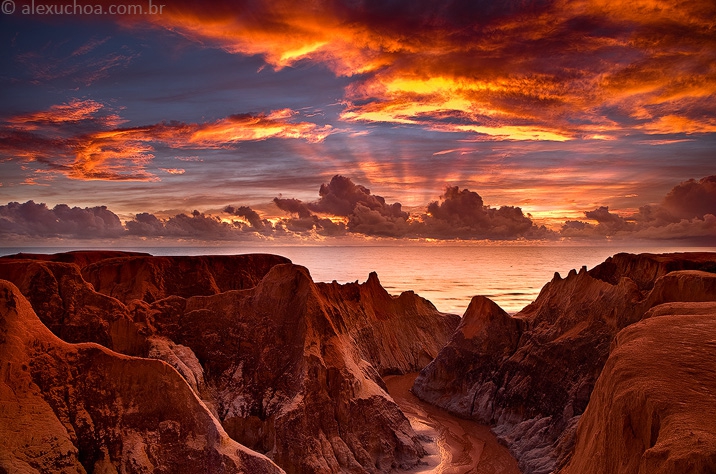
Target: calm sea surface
x=447, y=275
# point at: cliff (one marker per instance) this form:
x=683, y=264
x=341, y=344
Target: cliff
x=531, y=375
x=653, y=408
x=289, y=367
x=150, y=278
x=69, y=306
x=81, y=258
x=396, y=335
x=286, y=379
x=76, y=408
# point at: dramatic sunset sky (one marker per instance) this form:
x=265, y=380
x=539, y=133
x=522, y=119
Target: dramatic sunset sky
x=539, y=120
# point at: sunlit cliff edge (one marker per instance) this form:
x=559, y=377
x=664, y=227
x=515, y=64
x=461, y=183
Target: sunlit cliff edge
x=118, y=362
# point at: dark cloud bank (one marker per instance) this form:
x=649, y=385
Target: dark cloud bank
x=687, y=212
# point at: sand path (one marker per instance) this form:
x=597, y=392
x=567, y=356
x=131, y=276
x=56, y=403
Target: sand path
x=454, y=445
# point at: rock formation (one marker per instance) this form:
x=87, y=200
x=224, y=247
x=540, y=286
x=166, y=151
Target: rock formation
x=76, y=408
x=286, y=379
x=396, y=335
x=81, y=258
x=653, y=408
x=254, y=357
x=150, y=278
x=69, y=306
x=290, y=367
x=531, y=375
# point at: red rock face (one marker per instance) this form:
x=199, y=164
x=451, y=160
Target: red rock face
x=290, y=368
x=69, y=306
x=531, y=375
x=653, y=408
x=75, y=408
x=287, y=377
x=149, y=278
x=645, y=269
x=395, y=334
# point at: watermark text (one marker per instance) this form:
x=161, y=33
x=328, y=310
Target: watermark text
x=9, y=7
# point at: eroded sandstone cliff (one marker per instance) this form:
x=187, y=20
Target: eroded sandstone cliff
x=395, y=334
x=76, y=408
x=290, y=367
x=531, y=375
x=151, y=278
x=653, y=409
x=286, y=379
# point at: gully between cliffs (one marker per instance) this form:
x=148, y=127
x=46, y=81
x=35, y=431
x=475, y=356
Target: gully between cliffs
x=454, y=445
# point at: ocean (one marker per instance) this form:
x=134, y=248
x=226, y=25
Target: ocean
x=448, y=275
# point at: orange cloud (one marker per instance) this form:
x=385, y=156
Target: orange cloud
x=115, y=155
x=560, y=70
x=175, y=171
x=74, y=111
x=284, y=32
x=679, y=124
x=123, y=154
x=105, y=153
x=249, y=128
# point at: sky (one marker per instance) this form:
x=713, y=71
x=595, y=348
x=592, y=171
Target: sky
x=332, y=121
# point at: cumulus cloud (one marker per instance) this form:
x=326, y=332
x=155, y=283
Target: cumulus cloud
x=608, y=224
x=463, y=214
x=460, y=214
x=305, y=220
x=30, y=219
x=692, y=199
x=146, y=225
x=294, y=206
x=341, y=197
x=252, y=217
x=346, y=208
x=686, y=212
x=367, y=221
x=196, y=226
x=361, y=212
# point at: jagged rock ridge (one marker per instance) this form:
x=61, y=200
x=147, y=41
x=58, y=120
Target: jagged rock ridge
x=531, y=375
x=290, y=367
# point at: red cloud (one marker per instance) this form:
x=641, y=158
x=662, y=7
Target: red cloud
x=77, y=140
x=548, y=70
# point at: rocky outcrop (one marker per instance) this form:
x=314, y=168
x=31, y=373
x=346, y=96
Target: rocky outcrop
x=70, y=307
x=653, y=408
x=531, y=375
x=286, y=376
x=396, y=335
x=291, y=368
x=82, y=296
x=645, y=269
x=76, y=408
x=485, y=329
